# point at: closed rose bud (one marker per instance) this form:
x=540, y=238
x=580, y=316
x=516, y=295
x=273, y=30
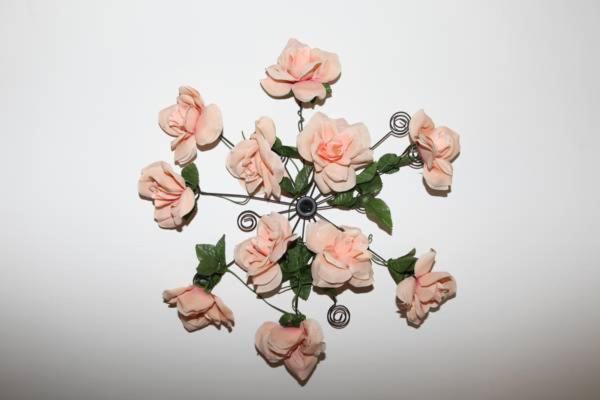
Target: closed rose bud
x=438, y=147
x=191, y=123
x=254, y=164
x=425, y=290
x=259, y=255
x=172, y=199
x=298, y=347
x=198, y=308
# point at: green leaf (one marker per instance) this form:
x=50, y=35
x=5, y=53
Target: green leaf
x=301, y=182
x=371, y=187
x=301, y=283
x=207, y=257
x=289, y=319
x=189, y=216
x=190, y=175
x=388, y=163
x=379, y=212
x=207, y=282
x=284, y=151
x=220, y=253
x=367, y=174
x=211, y=258
x=404, y=161
x=410, y=253
x=327, y=87
x=363, y=199
x=287, y=186
x=402, y=267
x=344, y=199
x=295, y=258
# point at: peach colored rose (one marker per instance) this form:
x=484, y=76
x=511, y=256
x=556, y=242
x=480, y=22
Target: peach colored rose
x=191, y=123
x=341, y=256
x=438, y=147
x=298, y=348
x=253, y=162
x=303, y=71
x=172, y=199
x=425, y=290
x=259, y=255
x=337, y=149
x=198, y=308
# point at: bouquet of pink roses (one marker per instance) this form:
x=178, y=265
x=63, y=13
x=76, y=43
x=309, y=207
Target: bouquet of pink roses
x=296, y=247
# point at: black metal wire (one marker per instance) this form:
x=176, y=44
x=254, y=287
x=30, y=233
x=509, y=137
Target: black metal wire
x=399, y=122
x=412, y=152
x=247, y=220
x=227, y=142
x=243, y=196
x=338, y=316
x=301, y=120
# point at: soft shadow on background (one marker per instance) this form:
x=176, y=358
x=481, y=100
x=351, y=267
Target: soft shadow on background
x=83, y=265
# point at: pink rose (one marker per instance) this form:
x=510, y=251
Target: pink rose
x=172, y=199
x=191, y=123
x=341, y=256
x=253, y=162
x=424, y=291
x=198, y=308
x=303, y=71
x=259, y=255
x=298, y=348
x=337, y=149
x=438, y=147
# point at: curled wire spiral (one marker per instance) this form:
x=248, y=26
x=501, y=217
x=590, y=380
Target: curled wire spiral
x=413, y=155
x=338, y=316
x=399, y=124
x=247, y=220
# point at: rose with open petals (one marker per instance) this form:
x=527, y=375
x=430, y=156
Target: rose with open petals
x=425, y=290
x=337, y=149
x=438, y=147
x=259, y=255
x=302, y=71
x=299, y=348
x=191, y=123
x=341, y=256
x=198, y=308
x=253, y=162
x=172, y=199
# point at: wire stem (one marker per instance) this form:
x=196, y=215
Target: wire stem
x=253, y=291
x=243, y=196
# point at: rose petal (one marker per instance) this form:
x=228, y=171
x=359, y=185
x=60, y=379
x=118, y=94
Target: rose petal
x=419, y=122
x=209, y=125
x=276, y=88
x=436, y=179
x=319, y=234
x=185, y=151
x=300, y=365
x=306, y=91
x=194, y=301
x=433, y=277
x=424, y=263
x=405, y=290
x=193, y=323
x=170, y=295
x=163, y=120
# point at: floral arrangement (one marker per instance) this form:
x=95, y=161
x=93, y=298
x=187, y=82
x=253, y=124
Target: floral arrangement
x=297, y=248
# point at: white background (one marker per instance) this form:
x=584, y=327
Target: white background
x=83, y=265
